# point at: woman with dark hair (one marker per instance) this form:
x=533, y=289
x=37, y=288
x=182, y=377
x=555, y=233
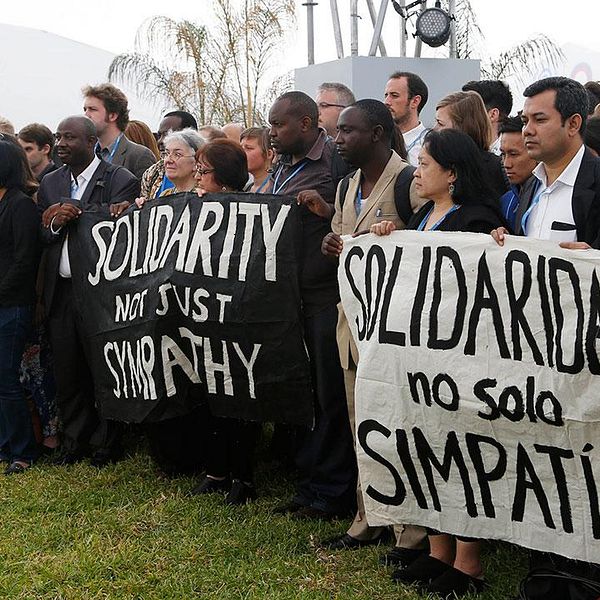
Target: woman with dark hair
x=19, y=256
x=450, y=174
x=222, y=167
x=465, y=111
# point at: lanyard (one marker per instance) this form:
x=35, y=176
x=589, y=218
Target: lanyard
x=358, y=201
x=536, y=199
x=276, y=189
x=259, y=189
x=416, y=140
x=421, y=226
x=114, y=148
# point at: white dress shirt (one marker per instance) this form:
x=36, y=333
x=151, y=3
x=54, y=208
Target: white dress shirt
x=553, y=204
x=77, y=189
x=413, y=140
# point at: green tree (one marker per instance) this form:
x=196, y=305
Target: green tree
x=221, y=73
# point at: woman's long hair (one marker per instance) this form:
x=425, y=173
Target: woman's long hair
x=15, y=171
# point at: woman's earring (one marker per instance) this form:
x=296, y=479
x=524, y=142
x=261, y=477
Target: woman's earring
x=224, y=188
x=451, y=190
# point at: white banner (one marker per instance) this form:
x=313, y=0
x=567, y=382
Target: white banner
x=478, y=386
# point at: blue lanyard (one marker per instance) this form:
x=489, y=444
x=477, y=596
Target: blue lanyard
x=262, y=185
x=276, y=189
x=358, y=201
x=114, y=148
x=416, y=140
x=421, y=226
x=536, y=199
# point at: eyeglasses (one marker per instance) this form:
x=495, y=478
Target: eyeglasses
x=201, y=171
x=328, y=105
x=175, y=155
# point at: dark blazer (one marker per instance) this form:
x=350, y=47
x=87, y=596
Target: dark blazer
x=471, y=218
x=109, y=185
x=585, y=201
x=134, y=157
x=19, y=249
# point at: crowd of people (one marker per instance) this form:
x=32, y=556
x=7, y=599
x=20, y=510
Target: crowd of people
x=352, y=166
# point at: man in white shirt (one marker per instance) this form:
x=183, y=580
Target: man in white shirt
x=85, y=182
x=405, y=96
x=562, y=201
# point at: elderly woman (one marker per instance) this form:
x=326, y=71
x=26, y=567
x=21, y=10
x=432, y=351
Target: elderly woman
x=19, y=256
x=222, y=167
x=179, y=157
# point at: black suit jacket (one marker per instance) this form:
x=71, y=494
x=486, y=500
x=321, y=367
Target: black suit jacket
x=109, y=184
x=585, y=201
x=134, y=157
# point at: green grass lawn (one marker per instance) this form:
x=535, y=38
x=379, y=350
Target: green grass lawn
x=126, y=532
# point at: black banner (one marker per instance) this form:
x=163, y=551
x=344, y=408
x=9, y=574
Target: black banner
x=192, y=296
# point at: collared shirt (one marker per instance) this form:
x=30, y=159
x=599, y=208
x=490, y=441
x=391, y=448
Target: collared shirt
x=315, y=171
x=413, y=140
x=108, y=153
x=78, y=186
x=495, y=147
x=551, y=213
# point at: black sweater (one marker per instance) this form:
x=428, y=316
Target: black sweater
x=19, y=249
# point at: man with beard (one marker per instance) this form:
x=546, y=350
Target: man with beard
x=405, y=96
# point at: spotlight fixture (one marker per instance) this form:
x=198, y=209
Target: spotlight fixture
x=433, y=24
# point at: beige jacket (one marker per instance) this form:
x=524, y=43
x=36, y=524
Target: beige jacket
x=380, y=206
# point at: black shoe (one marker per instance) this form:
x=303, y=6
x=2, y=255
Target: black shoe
x=209, y=485
x=16, y=467
x=422, y=571
x=241, y=493
x=66, y=458
x=289, y=508
x=453, y=583
x=400, y=557
x=347, y=542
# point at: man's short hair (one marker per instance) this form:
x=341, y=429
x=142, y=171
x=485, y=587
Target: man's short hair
x=592, y=134
x=187, y=119
x=6, y=126
x=495, y=94
x=571, y=97
x=416, y=87
x=593, y=91
x=511, y=125
x=301, y=105
x=344, y=93
x=36, y=133
x=114, y=100
x=377, y=113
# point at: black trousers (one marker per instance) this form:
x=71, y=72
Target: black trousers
x=326, y=457
x=230, y=446
x=83, y=429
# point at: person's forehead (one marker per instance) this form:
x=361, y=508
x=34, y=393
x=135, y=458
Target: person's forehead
x=512, y=139
x=542, y=102
x=70, y=126
x=397, y=84
x=352, y=116
x=92, y=101
x=177, y=145
x=327, y=96
x=280, y=109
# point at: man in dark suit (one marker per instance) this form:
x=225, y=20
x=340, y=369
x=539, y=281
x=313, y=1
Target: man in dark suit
x=106, y=106
x=84, y=183
x=562, y=201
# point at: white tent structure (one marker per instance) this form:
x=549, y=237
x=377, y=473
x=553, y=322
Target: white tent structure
x=41, y=76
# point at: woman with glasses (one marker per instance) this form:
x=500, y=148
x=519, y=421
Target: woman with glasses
x=222, y=167
x=19, y=257
x=179, y=157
